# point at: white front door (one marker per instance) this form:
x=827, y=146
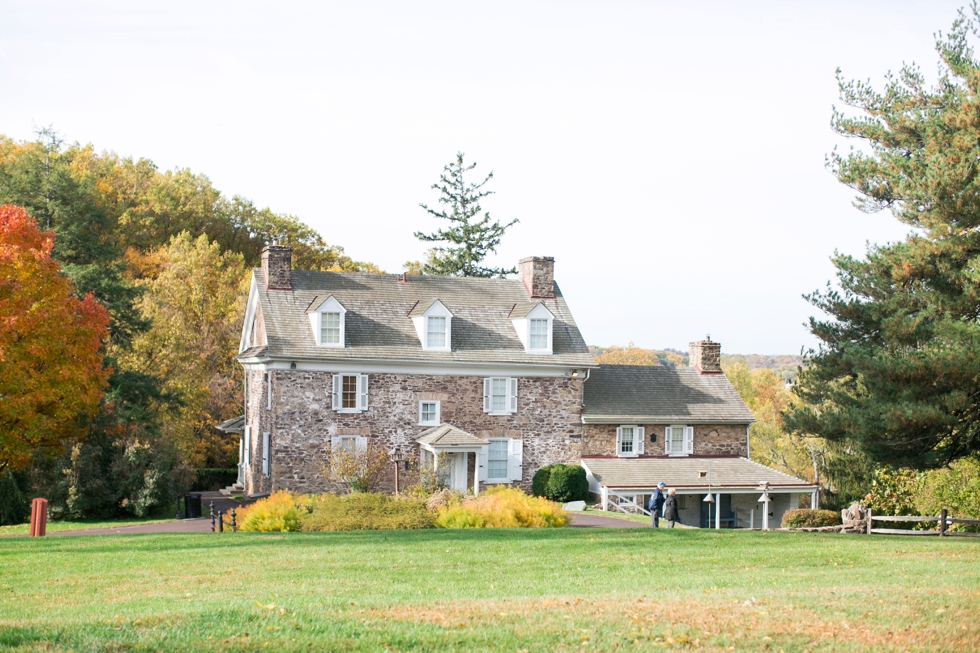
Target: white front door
x=458, y=476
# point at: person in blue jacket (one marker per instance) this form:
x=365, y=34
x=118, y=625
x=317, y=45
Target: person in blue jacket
x=656, y=504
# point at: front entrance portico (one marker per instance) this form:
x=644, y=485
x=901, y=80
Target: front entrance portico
x=454, y=446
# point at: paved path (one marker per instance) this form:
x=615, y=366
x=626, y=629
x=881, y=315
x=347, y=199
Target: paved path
x=580, y=520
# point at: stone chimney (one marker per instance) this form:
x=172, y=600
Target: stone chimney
x=705, y=356
x=277, y=265
x=537, y=273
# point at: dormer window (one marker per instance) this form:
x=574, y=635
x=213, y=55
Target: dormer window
x=435, y=333
x=434, y=325
x=327, y=318
x=535, y=326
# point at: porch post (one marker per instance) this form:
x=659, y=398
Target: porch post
x=813, y=500
x=241, y=459
x=605, y=498
x=476, y=473
x=718, y=510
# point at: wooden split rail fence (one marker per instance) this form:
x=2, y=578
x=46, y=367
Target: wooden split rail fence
x=943, y=520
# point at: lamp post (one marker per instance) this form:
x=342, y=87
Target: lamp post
x=764, y=500
x=398, y=458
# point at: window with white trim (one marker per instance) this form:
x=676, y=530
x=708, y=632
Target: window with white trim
x=266, y=453
x=497, y=460
x=678, y=440
x=501, y=461
x=629, y=441
x=428, y=412
x=435, y=335
x=540, y=330
x=500, y=395
x=352, y=443
x=330, y=328
x=350, y=393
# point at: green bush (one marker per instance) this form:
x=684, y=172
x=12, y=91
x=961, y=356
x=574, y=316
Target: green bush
x=539, y=484
x=567, y=483
x=367, y=511
x=210, y=480
x=810, y=518
x=14, y=505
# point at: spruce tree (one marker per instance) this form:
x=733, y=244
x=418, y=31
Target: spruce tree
x=897, y=371
x=469, y=237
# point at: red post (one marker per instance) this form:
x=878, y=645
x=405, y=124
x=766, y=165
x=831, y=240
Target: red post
x=39, y=517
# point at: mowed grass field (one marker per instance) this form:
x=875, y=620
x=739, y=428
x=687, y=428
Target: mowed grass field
x=493, y=590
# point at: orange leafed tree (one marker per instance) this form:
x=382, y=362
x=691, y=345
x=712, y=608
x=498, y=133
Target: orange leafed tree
x=50, y=345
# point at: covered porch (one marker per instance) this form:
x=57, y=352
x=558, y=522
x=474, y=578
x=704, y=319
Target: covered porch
x=454, y=447
x=712, y=492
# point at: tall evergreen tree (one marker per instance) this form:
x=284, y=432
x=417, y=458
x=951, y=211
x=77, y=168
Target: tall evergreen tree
x=897, y=372
x=470, y=238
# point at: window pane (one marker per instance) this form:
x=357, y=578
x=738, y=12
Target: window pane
x=330, y=328
x=677, y=440
x=497, y=469
x=539, y=334
x=626, y=440
x=498, y=450
x=498, y=395
x=428, y=411
x=349, y=391
x=436, y=332
x=347, y=443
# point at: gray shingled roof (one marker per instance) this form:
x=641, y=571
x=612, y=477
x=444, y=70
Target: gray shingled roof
x=233, y=425
x=448, y=435
x=655, y=394
x=683, y=473
x=378, y=324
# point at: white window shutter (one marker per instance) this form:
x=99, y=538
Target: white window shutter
x=667, y=432
x=334, y=443
x=688, y=439
x=481, y=463
x=515, y=460
x=336, y=391
x=486, y=394
x=248, y=445
x=512, y=384
x=360, y=444
x=619, y=440
x=266, y=443
x=638, y=439
x=362, y=394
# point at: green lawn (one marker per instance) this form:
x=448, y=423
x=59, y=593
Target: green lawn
x=496, y=590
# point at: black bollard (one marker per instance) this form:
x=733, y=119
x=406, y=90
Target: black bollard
x=179, y=514
x=221, y=524
x=214, y=526
x=233, y=520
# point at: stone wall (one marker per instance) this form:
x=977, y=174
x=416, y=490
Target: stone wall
x=302, y=422
x=709, y=439
x=277, y=267
x=537, y=273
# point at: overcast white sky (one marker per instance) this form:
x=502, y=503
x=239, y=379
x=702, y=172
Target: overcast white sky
x=669, y=155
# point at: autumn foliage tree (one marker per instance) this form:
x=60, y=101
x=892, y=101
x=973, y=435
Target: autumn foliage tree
x=50, y=345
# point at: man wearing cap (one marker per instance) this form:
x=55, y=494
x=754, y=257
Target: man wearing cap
x=656, y=504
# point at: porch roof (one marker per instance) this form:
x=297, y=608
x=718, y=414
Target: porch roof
x=446, y=435
x=691, y=473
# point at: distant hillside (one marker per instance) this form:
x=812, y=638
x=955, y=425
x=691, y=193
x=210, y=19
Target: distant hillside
x=783, y=365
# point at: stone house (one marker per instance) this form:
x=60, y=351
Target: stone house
x=487, y=380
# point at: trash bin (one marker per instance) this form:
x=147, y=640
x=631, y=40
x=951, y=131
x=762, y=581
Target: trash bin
x=192, y=505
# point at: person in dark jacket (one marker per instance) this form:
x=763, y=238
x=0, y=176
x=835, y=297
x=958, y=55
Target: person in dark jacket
x=656, y=504
x=670, y=508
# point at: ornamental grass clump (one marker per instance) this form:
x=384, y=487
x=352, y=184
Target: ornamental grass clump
x=810, y=518
x=502, y=508
x=280, y=512
x=367, y=511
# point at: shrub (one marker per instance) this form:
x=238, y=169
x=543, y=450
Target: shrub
x=567, y=483
x=367, y=511
x=280, y=512
x=539, y=484
x=810, y=518
x=14, y=506
x=210, y=480
x=502, y=508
